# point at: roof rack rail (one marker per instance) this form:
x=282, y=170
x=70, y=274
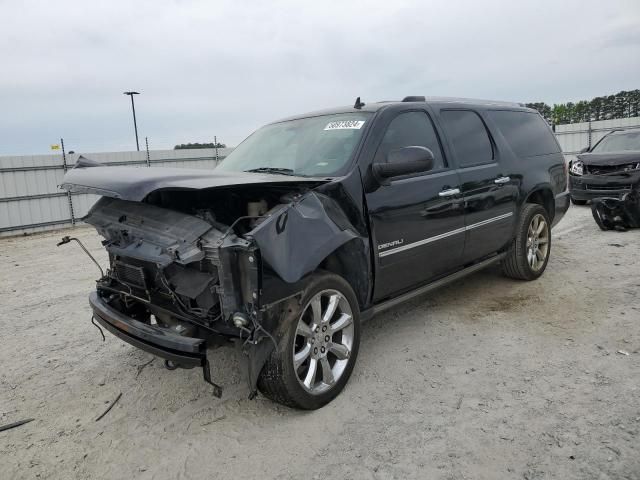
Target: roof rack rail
x=414, y=98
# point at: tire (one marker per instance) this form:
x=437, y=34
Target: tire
x=578, y=202
x=518, y=262
x=596, y=211
x=280, y=380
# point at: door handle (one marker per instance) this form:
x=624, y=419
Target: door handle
x=449, y=193
x=501, y=180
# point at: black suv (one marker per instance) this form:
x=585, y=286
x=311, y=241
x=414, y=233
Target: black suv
x=314, y=224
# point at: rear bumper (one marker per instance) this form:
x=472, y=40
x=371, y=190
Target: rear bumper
x=185, y=351
x=588, y=187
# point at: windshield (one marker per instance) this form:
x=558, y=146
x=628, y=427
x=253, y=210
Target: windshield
x=314, y=146
x=619, y=142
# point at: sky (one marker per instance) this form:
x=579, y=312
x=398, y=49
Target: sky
x=225, y=68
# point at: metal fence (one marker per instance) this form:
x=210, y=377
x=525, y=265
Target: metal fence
x=30, y=200
x=574, y=137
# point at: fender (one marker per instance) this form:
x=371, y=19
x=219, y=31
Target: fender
x=296, y=238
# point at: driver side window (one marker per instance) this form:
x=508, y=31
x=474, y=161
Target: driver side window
x=410, y=129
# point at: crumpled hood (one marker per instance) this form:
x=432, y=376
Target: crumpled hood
x=134, y=184
x=610, y=159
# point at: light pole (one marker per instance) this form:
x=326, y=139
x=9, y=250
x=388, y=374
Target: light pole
x=133, y=108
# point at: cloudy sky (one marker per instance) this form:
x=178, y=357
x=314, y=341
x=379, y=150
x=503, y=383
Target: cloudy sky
x=223, y=68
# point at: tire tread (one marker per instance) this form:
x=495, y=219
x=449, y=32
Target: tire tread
x=277, y=381
x=514, y=264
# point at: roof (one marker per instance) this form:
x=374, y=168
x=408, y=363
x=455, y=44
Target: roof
x=474, y=101
x=436, y=101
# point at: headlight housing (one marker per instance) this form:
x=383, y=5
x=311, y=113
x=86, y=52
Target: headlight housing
x=577, y=168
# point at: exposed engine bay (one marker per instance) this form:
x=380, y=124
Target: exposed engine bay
x=187, y=266
x=182, y=256
x=200, y=259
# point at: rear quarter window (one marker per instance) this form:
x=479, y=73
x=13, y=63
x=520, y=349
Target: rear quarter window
x=527, y=133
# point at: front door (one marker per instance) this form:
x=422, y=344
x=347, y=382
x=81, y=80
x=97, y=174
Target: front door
x=417, y=221
x=489, y=193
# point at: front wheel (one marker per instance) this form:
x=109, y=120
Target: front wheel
x=578, y=202
x=528, y=255
x=317, y=346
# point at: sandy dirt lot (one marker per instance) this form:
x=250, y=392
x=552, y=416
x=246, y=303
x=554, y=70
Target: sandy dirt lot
x=488, y=378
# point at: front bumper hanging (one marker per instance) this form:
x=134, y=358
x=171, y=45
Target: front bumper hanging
x=187, y=352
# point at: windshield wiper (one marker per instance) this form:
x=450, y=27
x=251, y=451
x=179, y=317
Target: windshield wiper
x=276, y=170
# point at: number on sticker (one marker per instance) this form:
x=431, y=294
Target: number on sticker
x=345, y=125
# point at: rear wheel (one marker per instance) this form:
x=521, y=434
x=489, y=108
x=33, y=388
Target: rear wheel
x=528, y=255
x=317, y=346
x=578, y=202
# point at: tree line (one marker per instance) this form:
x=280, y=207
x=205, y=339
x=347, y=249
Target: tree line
x=186, y=146
x=621, y=105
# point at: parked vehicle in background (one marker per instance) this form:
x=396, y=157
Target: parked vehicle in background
x=314, y=224
x=609, y=169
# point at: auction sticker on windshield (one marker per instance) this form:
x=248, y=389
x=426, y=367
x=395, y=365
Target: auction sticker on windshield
x=345, y=125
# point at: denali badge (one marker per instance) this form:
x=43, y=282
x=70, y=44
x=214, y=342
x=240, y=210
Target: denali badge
x=394, y=243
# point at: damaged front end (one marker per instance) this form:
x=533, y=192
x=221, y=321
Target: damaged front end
x=594, y=175
x=192, y=270
x=172, y=274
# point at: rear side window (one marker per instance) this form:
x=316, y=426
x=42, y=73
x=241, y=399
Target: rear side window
x=468, y=137
x=526, y=133
x=410, y=129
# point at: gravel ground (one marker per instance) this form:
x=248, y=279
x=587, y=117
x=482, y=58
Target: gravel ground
x=488, y=378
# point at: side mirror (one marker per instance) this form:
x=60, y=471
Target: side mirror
x=403, y=161
x=584, y=150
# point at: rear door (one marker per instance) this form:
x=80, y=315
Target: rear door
x=417, y=221
x=489, y=192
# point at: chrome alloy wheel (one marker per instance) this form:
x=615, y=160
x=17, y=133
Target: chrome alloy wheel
x=323, y=341
x=537, y=242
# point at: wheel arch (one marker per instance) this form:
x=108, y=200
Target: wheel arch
x=543, y=196
x=351, y=262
